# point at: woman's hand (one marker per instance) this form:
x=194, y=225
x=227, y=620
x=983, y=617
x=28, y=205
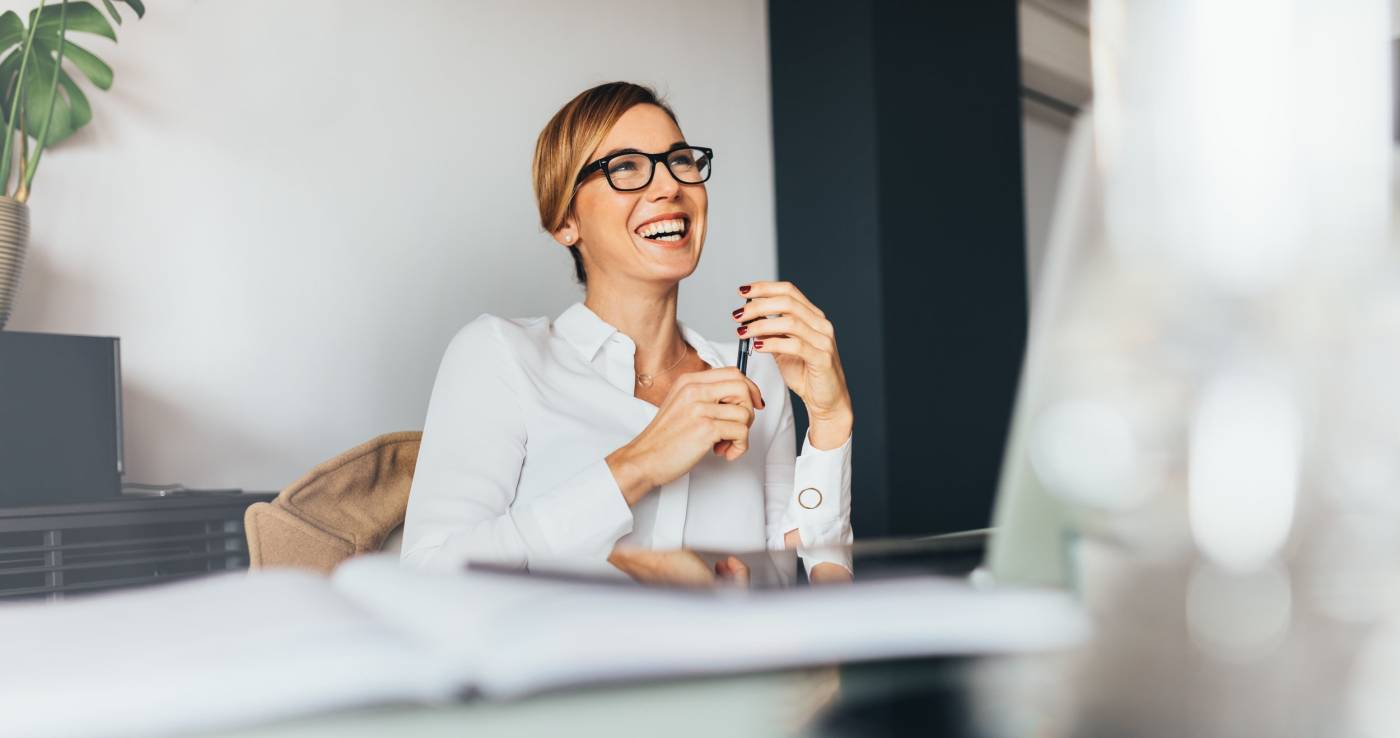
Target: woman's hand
x=733, y=570
x=824, y=572
x=704, y=412
x=677, y=568
x=803, y=342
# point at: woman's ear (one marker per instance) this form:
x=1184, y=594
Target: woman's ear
x=567, y=233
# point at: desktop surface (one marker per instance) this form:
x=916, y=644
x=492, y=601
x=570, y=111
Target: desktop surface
x=1144, y=673
x=933, y=696
x=944, y=697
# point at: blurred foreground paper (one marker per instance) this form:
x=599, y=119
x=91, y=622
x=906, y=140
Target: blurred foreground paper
x=218, y=653
x=232, y=651
x=524, y=635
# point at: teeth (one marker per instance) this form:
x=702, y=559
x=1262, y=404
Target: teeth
x=675, y=228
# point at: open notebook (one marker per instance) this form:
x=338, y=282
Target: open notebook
x=237, y=650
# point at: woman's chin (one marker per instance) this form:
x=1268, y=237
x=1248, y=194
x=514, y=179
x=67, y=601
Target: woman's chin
x=672, y=273
x=670, y=270
x=670, y=260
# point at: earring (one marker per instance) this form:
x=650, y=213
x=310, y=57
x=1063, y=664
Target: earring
x=568, y=239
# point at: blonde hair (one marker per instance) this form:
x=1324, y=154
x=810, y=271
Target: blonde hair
x=569, y=138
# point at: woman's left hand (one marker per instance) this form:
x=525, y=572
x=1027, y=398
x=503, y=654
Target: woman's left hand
x=803, y=342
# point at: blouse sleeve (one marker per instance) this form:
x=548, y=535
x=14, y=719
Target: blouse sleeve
x=469, y=463
x=810, y=492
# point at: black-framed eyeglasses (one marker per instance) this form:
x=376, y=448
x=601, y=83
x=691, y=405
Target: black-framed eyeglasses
x=632, y=171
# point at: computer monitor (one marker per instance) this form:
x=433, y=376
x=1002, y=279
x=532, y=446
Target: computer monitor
x=1032, y=540
x=60, y=419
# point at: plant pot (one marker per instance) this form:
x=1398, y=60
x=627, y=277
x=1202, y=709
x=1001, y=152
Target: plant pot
x=14, y=242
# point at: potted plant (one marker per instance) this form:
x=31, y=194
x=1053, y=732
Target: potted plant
x=32, y=74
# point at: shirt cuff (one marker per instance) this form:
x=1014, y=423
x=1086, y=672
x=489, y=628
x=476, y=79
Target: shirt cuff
x=841, y=556
x=582, y=516
x=821, y=491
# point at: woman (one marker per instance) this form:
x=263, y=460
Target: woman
x=616, y=432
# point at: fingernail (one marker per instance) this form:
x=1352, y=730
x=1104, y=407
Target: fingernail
x=745, y=289
x=758, y=344
x=743, y=329
x=738, y=312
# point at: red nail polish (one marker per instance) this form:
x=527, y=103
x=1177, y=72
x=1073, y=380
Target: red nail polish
x=745, y=289
x=743, y=329
x=758, y=344
x=738, y=312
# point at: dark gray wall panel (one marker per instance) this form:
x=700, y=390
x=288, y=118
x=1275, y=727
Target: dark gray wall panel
x=907, y=227
x=952, y=225
x=828, y=209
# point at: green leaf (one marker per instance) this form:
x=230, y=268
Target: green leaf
x=112, y=11
x=138, y=7
x=36, y=93
x=77, y=102
x=9, y=75
x=96, y=70
x=81, y=17
x=59, y=129
x=11, y=29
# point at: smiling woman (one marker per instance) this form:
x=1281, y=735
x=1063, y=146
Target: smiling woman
x=578, y=130
x=615, y=433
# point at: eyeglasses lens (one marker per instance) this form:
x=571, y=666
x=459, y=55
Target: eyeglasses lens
x=689, y=165
x=629, y=172
x=634, y=171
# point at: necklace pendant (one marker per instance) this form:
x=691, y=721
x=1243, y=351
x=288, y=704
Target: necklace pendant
x=644, y=380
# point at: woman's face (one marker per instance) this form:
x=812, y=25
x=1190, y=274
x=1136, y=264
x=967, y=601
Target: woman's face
x=608, y=225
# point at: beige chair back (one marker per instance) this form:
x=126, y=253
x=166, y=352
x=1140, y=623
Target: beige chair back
x=342, y=508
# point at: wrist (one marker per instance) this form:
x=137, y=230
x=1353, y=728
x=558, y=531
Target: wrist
x=829, y=573
x=630, y=475
x=627, y=561
x=827, y=431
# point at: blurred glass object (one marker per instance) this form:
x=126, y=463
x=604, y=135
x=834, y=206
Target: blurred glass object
x=1084, y=453
x=1353, y=575
x=1245, y=456
x=1371, y=705
x=1206, y=444
x=1237, y=617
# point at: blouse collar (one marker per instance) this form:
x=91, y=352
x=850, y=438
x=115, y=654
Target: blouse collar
x=587, y=333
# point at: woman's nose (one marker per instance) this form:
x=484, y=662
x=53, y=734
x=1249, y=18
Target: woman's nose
x=664, y=185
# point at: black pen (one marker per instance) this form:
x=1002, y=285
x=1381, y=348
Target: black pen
x=743, y=361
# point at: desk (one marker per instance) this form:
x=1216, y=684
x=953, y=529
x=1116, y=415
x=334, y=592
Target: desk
x=1143, y=675
x=929, y=697
x=828, y=701
x=750, y=706
x=49, y=551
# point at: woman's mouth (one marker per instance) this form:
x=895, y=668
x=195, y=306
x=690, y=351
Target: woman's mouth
x=671, y=229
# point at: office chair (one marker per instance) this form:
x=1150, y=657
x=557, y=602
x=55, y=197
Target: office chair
x=345, y=507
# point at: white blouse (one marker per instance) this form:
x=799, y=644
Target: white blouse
x=512, y=466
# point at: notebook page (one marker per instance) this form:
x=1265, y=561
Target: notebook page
x=221, y=652
x=523, y=635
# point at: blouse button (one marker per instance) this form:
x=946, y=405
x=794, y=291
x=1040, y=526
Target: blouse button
x=815, y=499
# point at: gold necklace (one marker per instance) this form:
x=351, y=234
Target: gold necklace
x=645, y=380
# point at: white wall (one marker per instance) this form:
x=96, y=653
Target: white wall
x=286, y=208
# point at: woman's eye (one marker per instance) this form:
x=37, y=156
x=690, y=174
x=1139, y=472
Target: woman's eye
x=682, y=160
x=623, y=166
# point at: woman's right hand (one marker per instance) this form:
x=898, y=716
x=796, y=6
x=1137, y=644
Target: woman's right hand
x=679, y=569
x=704, y=412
